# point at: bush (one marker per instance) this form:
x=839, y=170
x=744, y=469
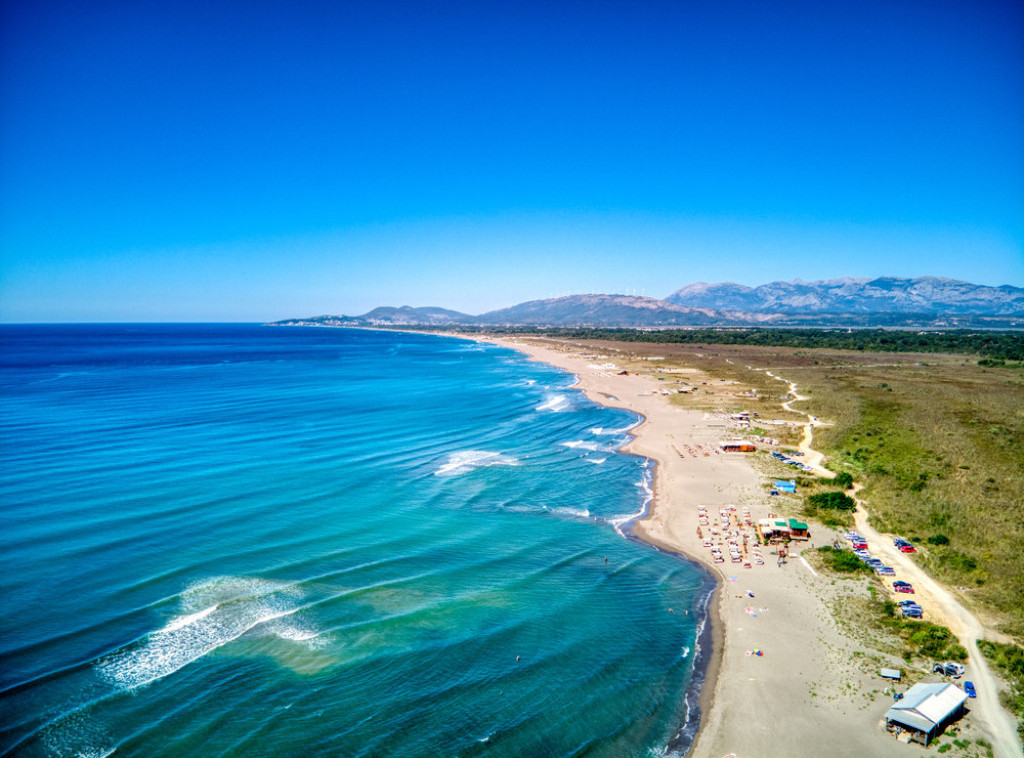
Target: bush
x=842, y=561
x=938, y=539
x=844, y=480
x=839, y=501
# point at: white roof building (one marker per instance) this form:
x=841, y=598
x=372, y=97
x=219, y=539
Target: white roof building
x=927, y=709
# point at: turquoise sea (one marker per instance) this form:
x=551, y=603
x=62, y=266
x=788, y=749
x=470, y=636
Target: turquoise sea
x=234, y=540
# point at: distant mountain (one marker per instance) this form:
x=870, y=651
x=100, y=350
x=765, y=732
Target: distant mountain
x=924, y=295
x=408, y=316
x=924, y=302
x=388, y=316
x=600, y=310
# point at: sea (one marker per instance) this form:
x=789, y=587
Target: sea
x=243, y=540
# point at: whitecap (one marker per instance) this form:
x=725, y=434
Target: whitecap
x=467, y=460
x=242, y=604
x=554, y=402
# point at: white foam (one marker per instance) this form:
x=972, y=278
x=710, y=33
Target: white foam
x=554, y=402
x=581, y=513
x=467, y=460
x=596, y=461
x=191, y=618
x=244, y=604
x=583, y=445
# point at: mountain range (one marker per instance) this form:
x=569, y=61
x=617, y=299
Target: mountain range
x=885, y=301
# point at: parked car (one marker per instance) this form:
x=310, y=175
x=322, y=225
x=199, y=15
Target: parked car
x=949, y=668
x=969, y=689
x=885, y=571
x=908, y=549
x=904, y=587
x=913, y=612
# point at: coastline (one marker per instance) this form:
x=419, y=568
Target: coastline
x=748, y=705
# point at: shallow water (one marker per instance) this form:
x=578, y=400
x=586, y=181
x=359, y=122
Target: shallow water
x=238, y=540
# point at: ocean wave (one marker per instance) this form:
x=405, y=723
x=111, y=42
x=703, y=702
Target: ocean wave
x=231, y=606
x=467, y=460
x=554, y=402
x=584, y=445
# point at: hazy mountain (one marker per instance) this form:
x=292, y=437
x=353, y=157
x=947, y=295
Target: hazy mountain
x=599, y=310
x=388, y=316
x=926, y=294
x=925, y=301
x=407, y=315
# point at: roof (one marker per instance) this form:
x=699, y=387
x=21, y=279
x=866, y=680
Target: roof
x=794, y=524
x=925, y=705
x=891, y=673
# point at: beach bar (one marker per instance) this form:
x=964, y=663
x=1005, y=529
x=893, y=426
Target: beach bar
x=925, y=710
x=777, y=529
x=738, y=446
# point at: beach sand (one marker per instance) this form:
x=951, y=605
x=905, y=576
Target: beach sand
x=810, y=693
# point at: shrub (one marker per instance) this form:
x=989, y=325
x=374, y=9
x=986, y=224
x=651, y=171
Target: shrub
x=938, y=539
x=844, y=480
x=842, y=561
x=839, y=501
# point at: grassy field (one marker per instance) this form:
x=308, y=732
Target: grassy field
x=937, y=440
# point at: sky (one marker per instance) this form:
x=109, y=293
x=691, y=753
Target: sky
x=252, y=161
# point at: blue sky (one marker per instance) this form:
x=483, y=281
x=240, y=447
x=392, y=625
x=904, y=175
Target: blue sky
x=248, y=161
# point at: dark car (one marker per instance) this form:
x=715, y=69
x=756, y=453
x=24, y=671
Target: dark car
x=969, y=689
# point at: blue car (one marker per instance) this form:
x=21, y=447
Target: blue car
x=969, y=689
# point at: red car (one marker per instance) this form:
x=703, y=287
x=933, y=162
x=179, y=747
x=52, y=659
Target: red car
x=908, y=549
x=903, y=587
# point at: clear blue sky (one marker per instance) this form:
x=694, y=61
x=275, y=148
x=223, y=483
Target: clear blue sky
x=251, y=161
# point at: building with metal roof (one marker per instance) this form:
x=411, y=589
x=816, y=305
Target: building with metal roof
x=926, y=709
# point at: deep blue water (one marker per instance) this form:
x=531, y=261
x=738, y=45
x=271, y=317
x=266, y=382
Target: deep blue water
x=233, y=540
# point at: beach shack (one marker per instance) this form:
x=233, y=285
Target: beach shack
x=777, y=529
x=785, y=486
x=925, y=710
x=738, y=446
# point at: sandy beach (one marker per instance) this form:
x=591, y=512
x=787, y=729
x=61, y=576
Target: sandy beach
x=812, y=690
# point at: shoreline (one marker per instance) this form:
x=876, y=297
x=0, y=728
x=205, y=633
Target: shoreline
x=710, y=641
x=748, y=704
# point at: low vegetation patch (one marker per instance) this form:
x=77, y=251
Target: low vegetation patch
x=842, y=561
x=833, y=509
x=1009, y=660
x=839, y=501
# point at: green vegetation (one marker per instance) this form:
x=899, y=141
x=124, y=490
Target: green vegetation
x=1009, y=660
x=833, y=509
x=941, y=457
x=999, y=346
x=842, y=561
x=924, y=639
x=839, y=501
x=844, y=479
